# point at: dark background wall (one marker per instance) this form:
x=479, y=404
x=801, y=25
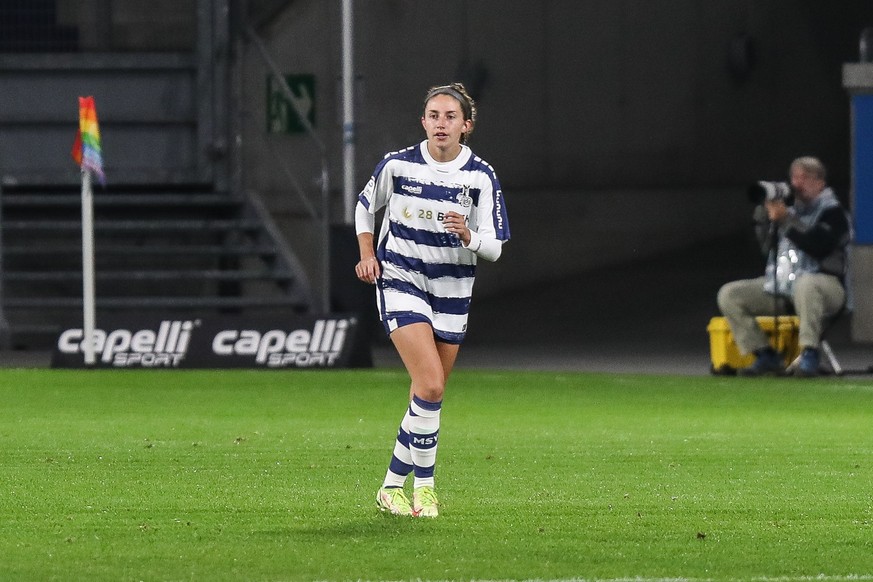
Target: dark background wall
x=624, y=93
x=619, y=128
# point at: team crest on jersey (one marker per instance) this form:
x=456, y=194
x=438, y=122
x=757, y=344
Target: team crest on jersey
x=464, y=198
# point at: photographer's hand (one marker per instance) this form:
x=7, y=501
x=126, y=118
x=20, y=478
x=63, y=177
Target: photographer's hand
x=776, y=210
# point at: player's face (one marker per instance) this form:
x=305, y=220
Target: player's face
x=444, y=124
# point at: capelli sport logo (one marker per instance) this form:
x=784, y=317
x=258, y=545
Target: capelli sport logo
x=164, y=347
x=320, y=346
x=318, y=342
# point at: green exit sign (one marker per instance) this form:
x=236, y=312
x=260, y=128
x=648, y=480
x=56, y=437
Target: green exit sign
x=281, y=115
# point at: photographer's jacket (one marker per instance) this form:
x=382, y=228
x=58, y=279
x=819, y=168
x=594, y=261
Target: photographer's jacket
x=816, y=234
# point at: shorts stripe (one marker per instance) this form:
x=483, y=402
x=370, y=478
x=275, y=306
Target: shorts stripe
x=450, y=305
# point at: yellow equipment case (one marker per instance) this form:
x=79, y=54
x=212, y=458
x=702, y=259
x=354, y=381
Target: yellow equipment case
x=726, y=357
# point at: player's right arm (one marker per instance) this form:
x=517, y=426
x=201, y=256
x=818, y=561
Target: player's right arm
x=372, y=197
x=367, y=269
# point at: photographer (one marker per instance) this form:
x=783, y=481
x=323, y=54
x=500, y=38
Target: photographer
x=805, y=234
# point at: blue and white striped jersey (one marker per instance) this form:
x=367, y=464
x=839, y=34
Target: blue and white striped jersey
x=426, y=272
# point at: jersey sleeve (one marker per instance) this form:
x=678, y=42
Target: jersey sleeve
x=364, y=220
x=486, y=248
x=491, y=229
x=375, y=194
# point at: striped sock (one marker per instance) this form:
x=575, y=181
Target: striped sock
x=401, y=460
x=424, y=430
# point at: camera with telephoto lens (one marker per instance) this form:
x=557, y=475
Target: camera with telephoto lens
x=763, y=191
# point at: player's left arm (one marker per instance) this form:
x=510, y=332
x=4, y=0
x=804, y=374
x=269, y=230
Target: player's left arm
x=492, y=226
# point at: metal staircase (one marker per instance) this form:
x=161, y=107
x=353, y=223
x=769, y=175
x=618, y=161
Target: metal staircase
x=169, y=249
x=176, y=231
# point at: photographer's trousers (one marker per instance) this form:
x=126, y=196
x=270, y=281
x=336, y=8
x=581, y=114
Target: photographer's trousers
x=817, y=298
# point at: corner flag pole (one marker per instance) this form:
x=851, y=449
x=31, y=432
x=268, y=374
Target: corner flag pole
x=88, y=300
x=88, y=154
x=349, y=192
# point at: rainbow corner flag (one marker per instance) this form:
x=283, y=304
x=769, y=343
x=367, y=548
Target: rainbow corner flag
x=86, y=148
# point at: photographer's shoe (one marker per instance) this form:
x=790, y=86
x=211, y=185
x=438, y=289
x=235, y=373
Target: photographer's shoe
x=767, y=363
x=808, y=365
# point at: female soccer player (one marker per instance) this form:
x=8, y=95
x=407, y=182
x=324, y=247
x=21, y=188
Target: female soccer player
x=443, y=209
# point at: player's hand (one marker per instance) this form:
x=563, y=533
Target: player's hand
x=456, y=223
x=368, y=270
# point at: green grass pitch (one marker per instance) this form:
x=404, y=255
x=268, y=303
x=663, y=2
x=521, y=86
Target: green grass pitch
x=258, y=475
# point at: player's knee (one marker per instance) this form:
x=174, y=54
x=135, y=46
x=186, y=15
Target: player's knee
x=431, y=389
